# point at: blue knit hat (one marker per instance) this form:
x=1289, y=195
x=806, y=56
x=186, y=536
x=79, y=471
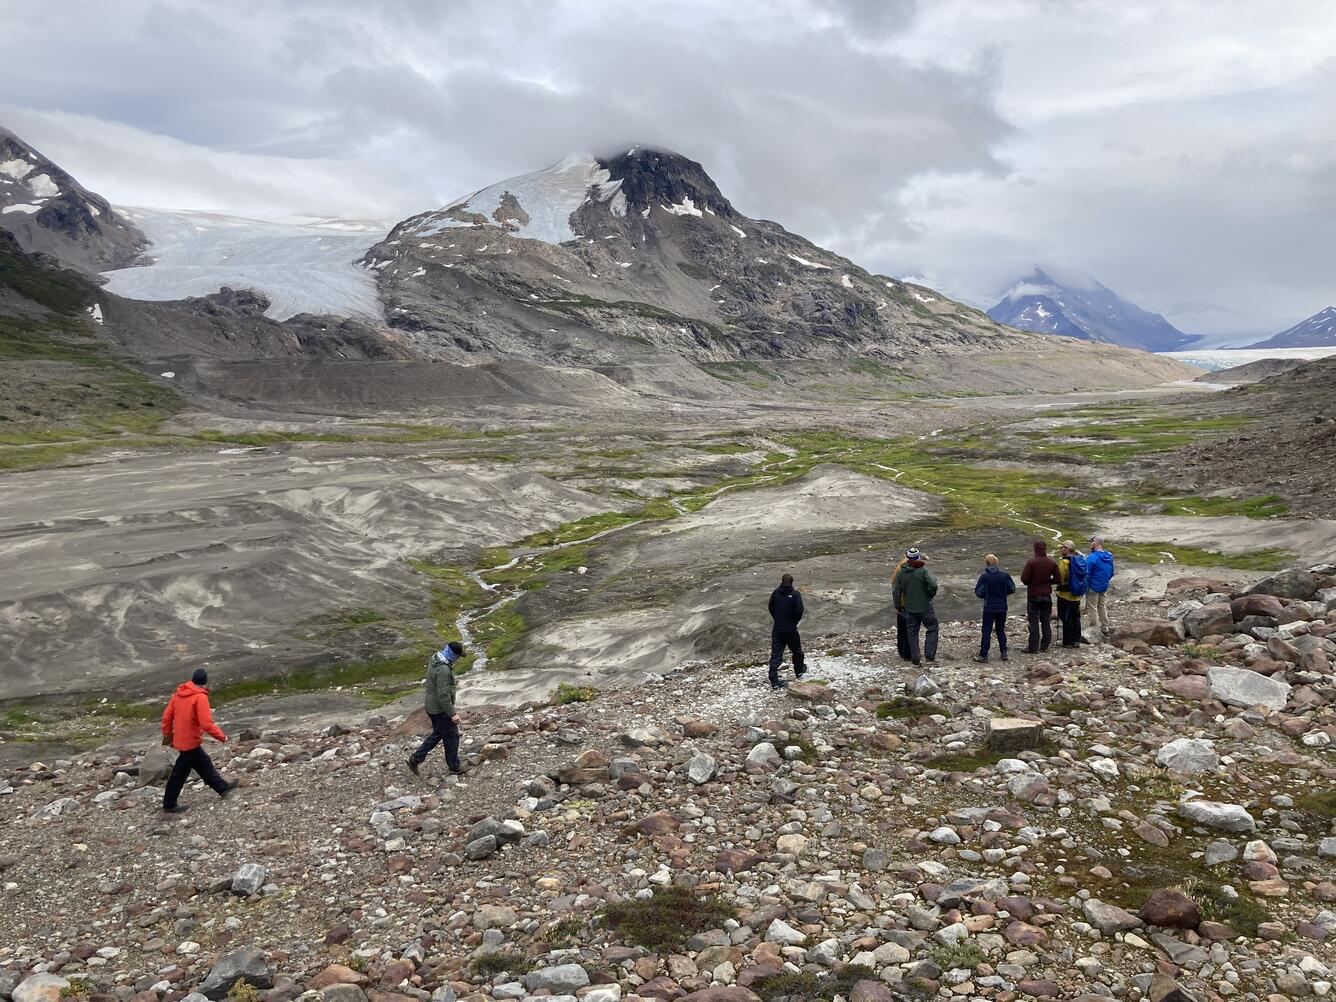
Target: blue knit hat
x=913, y=553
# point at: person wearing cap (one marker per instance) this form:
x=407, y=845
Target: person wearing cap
x=994, y=585
x=185, y=721
x=1099, y=575
x=439, y=702
x=913, y=590
x=786, y=612
x=1069, y=605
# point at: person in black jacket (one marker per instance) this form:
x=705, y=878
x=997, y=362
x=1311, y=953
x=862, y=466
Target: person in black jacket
x=786, y=609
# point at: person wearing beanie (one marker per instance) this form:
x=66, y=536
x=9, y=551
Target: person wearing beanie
x=439, y=703
x=1039, y=575
x=786, y=611
x=901, y=621
x=993, y=586
x=1100, y=575
x=913, y=590
x=185, y=721
x=1069, y=604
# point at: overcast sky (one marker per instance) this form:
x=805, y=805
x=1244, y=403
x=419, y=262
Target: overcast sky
x=1182, y=152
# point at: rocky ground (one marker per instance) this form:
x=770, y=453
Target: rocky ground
x=1148, y=820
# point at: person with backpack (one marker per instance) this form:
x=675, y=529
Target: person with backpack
x=1071, y=586
x=901, y=621
x=185, y=721
x=913, y=590
x=1039, y=575
x=786, y=611
x=439, y=702
x=1098, y=578
x=994, y=585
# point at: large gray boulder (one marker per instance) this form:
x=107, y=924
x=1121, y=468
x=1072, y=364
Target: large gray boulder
x=1240, y=687
x=1188, y=755
x=1211, y=620
x=246, y=965
x=1108, y=918
x=248, y=879
x=564, y=979
x=1293, y=582
x=701, y=768
x=1222, y=817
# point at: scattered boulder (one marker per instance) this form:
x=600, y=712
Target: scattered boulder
x=1188, y=755
x=1222, y=817
x=248, y=879
x=1240, y=687
x=246, y=965
x=1210, y=620
x=1108, y=918
x=701, y=768
x=563, y=979
x=1014, y=734
x=1170, y=908
x=1291, y=583
x=40, y=988
x=1256, y=605
x=1153, y=632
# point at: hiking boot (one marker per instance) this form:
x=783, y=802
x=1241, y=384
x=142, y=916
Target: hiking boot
x=1085, y=640
x=931, y=660
x=981, y=658
x=412, y=766
x=799, y=672
x=776, y=686
x=916, y=664
x=1003, y=655
x=461, y=771
x=226, y=791
x=1042, y=648
x=1034, y=650
x=178, y=809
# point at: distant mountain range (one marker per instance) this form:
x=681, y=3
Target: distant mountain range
x=1318, y=331
x=1044, y=305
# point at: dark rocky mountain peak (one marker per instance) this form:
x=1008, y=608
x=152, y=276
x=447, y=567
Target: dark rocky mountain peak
x=652, y=176
x=49, y=212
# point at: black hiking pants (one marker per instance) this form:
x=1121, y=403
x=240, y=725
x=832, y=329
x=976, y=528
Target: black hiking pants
x=778, y=641
x=926, y=621
x=1069, y=616
x=1039, y=611
x=197, y=759
x=443, y=729
x=902, y=635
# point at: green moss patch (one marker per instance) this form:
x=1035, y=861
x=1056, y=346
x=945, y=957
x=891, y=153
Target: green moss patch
x=909, y=708
x=665, y=921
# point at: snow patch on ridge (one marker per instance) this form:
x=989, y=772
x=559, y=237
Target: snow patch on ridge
x=547, y=197
x=17, y=169
x=43, y=187
x=809, y=264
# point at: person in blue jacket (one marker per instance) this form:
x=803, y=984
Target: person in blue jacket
x=1099, y=574
x=993, y=587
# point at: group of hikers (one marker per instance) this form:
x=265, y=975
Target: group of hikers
x=1074, y=576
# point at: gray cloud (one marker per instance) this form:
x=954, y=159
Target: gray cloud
x=1158, y=147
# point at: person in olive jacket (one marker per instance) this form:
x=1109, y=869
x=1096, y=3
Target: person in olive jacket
x=914, y=589
x=440, y=705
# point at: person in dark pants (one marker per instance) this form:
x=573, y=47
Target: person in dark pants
x=786, y=611
x=1039, y=575
x=993, y=586
x=1069, y=605
x=913, y=590
x=901, y=620
x=439, y=701
x=185, y=721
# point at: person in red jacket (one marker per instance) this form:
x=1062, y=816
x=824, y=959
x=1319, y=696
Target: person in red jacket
x=1039, y=575
x=184, y=723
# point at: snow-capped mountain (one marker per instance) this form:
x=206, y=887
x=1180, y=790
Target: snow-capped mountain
x=1095, y=313
x=49, y=212
x=603, y=259
x=1318, y=331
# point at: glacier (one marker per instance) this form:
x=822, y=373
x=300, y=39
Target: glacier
x=300, y=267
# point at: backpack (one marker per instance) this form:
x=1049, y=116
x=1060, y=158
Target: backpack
x=1077, y=574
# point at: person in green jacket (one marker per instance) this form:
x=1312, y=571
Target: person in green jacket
x=440, y=706
x=913, y=591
